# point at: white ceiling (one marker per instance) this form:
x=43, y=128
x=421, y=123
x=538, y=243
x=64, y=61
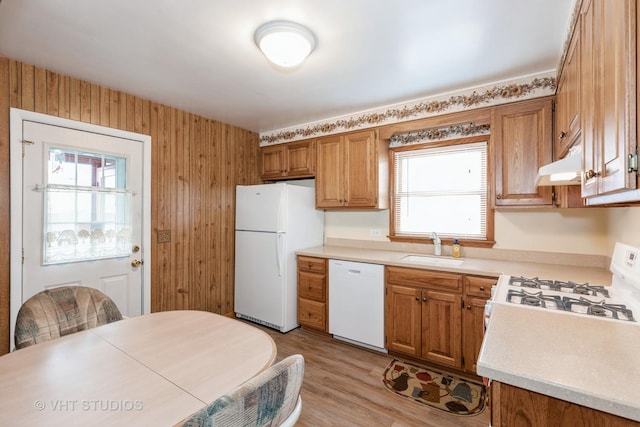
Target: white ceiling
x=199, y=55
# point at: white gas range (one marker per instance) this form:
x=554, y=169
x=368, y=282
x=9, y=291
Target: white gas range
x=618, y=302
x=575, y=342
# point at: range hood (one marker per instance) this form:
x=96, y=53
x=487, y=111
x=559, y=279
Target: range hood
x=566, y=171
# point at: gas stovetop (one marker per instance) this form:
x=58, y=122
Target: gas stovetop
x=573, y=300
x=618, y=302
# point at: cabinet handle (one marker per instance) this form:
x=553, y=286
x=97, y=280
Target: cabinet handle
x=591, y=174
x=498, y=196
x=482, y=288
x=563, y=134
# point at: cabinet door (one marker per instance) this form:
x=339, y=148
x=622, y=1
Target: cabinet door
x=473, y=327
x=523, y=143
x=441, y=328
x=402, y=319
x=568, y=99
x=361, y=169
x=330, y=172
x=611, y=58
x=300, y=159
x=273, y=161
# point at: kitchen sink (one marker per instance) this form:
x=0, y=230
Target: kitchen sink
x=433, y=260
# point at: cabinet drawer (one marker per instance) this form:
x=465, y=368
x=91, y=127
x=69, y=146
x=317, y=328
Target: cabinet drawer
x=311, y=285
x=479, y=286
x=316, y=265
x=312, y=313
x=425, y=278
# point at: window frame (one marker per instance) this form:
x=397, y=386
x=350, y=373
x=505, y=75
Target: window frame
x=483, y=243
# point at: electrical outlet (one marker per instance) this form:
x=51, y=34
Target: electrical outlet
x=164, y=236
x=375, y=232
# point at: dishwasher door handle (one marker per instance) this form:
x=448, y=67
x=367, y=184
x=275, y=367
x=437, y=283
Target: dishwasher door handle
x=354, y=271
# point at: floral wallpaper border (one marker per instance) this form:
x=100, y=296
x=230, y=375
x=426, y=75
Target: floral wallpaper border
x=438, y=134
x=534, y=86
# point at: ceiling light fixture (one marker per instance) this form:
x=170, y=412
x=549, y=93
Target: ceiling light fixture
x=285, y=43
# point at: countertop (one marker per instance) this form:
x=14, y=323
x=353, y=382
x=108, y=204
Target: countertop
x=477, y=266
x=587, y=361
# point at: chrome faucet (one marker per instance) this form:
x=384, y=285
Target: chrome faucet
x=437, y=243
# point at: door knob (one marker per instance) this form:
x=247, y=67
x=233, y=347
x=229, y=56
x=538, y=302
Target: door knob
x=136, y=263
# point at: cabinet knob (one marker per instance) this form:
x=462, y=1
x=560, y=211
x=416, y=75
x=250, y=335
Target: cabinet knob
x=498, y=196
x=482, y=288
x=563, y=134
x=309, y=265
x=591, y=174
x=417, y=298
x=424, y=299
x=468, y=307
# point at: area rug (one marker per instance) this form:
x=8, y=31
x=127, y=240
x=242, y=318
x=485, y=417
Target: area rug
x=439, y=390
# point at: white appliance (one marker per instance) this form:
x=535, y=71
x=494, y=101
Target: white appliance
x=619, y=302
x=356, y=303
x=272, y=222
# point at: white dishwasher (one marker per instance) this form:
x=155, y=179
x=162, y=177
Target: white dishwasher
x=356, y=303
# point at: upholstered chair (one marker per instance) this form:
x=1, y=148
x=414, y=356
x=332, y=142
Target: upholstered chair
x=270, y=399
x=61, y=311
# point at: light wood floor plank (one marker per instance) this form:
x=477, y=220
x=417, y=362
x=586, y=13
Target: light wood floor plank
x=343, y=387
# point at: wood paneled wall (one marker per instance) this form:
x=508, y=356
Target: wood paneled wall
x=196, y=164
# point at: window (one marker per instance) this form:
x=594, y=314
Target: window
x=441, y=189
x=87, y=211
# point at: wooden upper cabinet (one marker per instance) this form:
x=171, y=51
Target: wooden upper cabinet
x=352, y=171
x=522, y=142
x=608, y=78
x=284, y=161
x=567, y=114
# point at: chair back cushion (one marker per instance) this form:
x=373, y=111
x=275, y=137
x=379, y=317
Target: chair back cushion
x=61, y=311
x=265, y=400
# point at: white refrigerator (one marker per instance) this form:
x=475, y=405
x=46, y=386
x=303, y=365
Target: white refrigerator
x=272, y=222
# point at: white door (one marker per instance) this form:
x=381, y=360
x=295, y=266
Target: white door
x=82, y=214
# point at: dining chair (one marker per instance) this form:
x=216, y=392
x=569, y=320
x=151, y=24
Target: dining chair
x=61, y=311
x=270, y=399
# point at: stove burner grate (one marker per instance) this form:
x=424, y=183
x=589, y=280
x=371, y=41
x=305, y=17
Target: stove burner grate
x=560, y=286
x=535, y=299
x=597, y=308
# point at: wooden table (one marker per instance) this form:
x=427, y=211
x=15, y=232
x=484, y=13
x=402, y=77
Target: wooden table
x=155, y=369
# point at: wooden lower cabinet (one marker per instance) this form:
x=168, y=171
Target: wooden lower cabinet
x=436, y=316
x=477, y=290
x=473, y=331
x=516, y=407
x=312, y=292
x=423, y=320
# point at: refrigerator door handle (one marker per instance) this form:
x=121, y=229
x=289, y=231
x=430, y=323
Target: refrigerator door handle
x=278, y=254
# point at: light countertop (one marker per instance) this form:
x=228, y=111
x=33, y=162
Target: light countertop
x=587, y=361
x=477, y=266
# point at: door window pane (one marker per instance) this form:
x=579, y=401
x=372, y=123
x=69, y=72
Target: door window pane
x=87, y=210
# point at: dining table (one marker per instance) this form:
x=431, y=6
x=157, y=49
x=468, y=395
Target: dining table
x=151, y=370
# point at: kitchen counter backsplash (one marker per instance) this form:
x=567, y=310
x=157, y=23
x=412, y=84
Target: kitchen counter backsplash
x=487, y=262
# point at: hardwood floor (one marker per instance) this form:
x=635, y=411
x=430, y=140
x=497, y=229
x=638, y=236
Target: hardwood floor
x=343, y=387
